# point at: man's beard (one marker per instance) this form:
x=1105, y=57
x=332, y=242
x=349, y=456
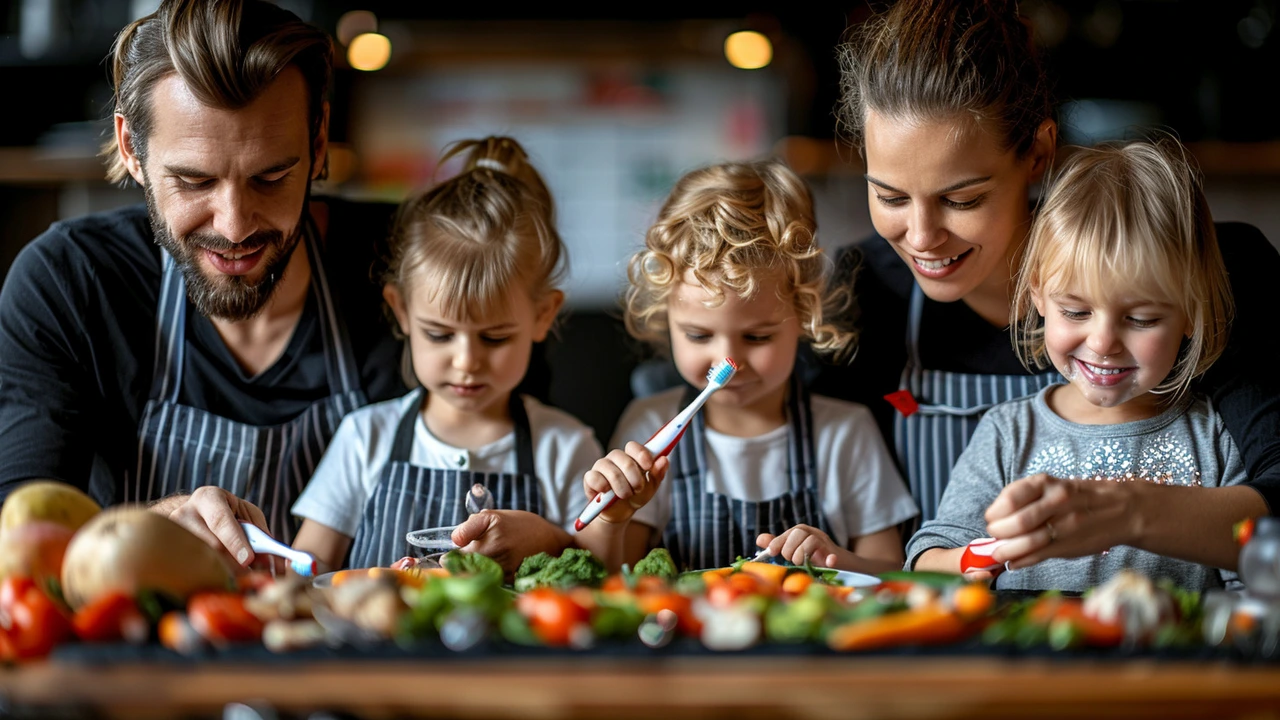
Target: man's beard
x=228, y=297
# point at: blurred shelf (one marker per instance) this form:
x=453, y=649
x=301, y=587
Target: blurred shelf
x=41, y=166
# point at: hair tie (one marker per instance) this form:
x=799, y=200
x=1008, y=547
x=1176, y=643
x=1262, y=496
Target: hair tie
x=492, y=164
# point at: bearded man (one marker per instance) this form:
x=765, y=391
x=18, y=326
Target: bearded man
x=197, y=352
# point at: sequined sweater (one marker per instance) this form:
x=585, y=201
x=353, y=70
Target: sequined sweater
x=1185, y=445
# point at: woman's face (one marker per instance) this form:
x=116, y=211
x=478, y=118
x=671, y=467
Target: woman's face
x=950, y=201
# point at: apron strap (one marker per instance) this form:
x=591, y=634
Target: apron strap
x=914, y=313
x=340, y=363
x=171, y=315
x=402, y=446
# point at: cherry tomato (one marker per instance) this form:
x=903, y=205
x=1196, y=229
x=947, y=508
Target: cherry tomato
x=679, y=604
x=111, y=617
x=552, y=615
x=221, y=617
x=32, y=623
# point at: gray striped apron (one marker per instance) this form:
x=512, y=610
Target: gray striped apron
x=930, y=440
x=181, y=448
x=410, y=497
x=710, y=530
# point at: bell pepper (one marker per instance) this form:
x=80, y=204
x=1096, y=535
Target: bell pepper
x=31, y=622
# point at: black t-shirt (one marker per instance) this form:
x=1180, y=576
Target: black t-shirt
x=1242, y=384
x=78, y=345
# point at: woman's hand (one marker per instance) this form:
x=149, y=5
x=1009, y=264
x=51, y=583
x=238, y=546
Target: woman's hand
x=1042, y=517
x=633, y=474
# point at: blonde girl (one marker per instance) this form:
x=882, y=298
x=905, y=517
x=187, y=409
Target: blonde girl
x=1124, y=292
x=732, y=268
x=472, y=281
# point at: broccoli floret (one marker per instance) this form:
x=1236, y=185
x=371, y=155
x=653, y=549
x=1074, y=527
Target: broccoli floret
x=658, y=563
x=574, y=567
x=533, y=565
x=460, y=563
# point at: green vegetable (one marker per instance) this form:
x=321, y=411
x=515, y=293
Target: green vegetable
x=937, y=580
x=690, y=584
x=514, y=627
x=799, y=620
x=658, y=563
x=620, y=620
x=460, y=563
x=533, y=564
x=574, y=567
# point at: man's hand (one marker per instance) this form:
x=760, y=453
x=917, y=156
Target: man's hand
x=214, y=515
x=509, y=536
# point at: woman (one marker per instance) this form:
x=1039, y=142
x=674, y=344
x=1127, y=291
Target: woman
x=948, y=103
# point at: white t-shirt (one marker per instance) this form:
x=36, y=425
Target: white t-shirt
x=564, y=449
x=858, y=485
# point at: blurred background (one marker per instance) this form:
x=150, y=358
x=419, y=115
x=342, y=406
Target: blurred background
x=615, y=100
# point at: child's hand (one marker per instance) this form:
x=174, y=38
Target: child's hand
x=802, y=542
x=632, y=474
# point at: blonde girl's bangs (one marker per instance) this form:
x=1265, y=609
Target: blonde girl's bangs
x=468, y=280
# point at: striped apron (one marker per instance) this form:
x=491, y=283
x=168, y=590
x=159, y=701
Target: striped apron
x=929, y=440
x=710, y=530
x=181, y=448
x=410, y=497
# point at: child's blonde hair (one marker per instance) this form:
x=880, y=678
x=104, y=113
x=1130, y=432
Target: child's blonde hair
x=468, y=239
x=731, y=224
x=1124, y=217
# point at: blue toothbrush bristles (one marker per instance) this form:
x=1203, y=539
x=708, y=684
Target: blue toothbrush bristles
x=721, y=372
x=305, y=568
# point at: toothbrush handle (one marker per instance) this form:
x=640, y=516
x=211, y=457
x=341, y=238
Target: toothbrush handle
x=660, y=444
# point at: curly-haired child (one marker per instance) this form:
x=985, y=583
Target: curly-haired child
x=732, y=268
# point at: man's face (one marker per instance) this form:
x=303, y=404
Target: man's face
x=227, y=190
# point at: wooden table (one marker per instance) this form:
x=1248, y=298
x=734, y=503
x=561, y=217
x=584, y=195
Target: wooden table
x=669, y=688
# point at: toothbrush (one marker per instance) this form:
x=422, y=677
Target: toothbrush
x=667, y=436
x=301, y=562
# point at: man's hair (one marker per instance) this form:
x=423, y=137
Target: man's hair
x=226, y=51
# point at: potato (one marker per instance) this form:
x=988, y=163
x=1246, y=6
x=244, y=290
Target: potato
x=35, y=550
x=129, y=548
x=47, y=500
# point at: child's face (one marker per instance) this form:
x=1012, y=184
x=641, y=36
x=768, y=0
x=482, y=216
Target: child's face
x=760, y=334
x=1112, y=351
x=473, y=365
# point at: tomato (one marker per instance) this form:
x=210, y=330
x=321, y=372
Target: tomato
x=254, y=581
x=32, y=623
x=111, y=617
x=681, y=605
x=221, y=617
x=553, y=615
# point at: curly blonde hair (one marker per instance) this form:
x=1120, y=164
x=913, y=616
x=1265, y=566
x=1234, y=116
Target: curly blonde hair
x=731, y=224
x=1128, y=216
x=470, y=238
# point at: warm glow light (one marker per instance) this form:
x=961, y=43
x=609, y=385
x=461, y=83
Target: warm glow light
x=355, y=23
x=748, y=50
x=369, y=51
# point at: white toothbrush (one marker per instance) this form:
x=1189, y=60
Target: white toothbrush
x=667, y=436
x=301, y=562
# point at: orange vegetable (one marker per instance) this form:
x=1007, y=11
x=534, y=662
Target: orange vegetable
x=32, y=623
x=768, y=572
x=839, y=592
x=1050, y=608
x=973, y=600
x=930, y=624
x=221, y=617
x=681, y=605
x=176, y=633
x=114, y=616
x=797, y=582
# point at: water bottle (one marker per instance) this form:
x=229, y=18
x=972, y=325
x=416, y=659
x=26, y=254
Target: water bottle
x=1260, y=560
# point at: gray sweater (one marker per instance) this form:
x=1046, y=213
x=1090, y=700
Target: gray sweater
x=1186, y=444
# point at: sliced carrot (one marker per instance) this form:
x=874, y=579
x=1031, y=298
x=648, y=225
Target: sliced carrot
x=768, y=572
x=797, y=582
x=922, y=626
x=973, y=600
